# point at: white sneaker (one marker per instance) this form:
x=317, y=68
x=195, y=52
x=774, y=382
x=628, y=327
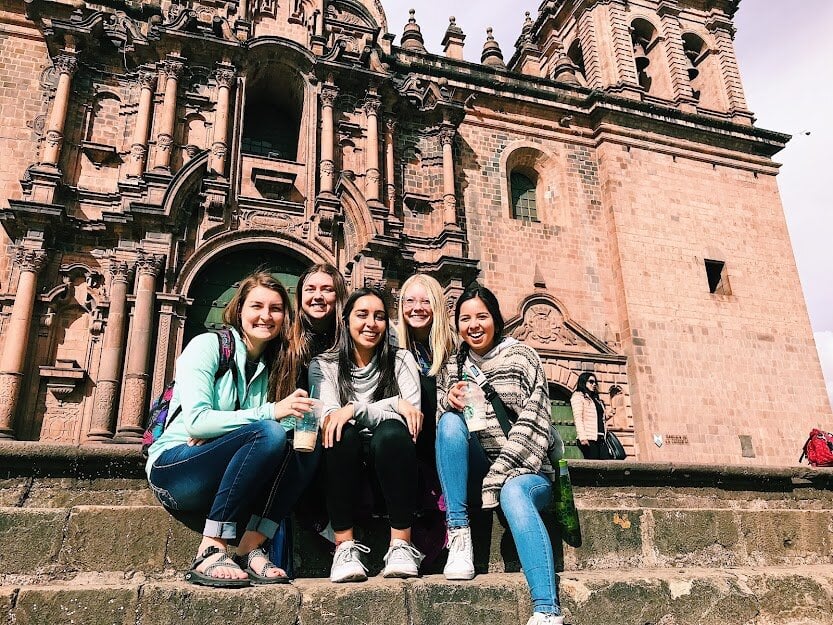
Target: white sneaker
x=402, y=559
x=347, y=562
x=460, y=563
x=539, y=618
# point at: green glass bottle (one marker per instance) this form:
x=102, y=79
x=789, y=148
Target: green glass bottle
x=565, y=508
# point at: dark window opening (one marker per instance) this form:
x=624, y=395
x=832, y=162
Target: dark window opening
x=270, y=130
x=523, y=197
x=716, y=274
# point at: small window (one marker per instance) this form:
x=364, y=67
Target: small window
x=523, y=197
x=718, y=280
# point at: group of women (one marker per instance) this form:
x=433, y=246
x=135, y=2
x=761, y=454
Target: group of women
x=388, y=406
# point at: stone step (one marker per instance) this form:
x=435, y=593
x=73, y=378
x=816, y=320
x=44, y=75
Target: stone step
x=49, y=543
x=689, y=596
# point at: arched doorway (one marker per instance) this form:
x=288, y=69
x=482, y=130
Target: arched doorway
x=216, y=282
x=561, y=415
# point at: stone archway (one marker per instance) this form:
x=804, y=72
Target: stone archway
x=217, y=280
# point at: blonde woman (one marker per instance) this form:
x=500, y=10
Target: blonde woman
x=424, y=331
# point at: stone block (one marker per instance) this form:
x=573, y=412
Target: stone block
x=186, y=604
x=70, y=492
x=787, y=536
x=697, y=537
x=7, y=597
x=103, y=538
x=611, y=539
x=496, y=599
x=29, y=539
x=787, y=597
x=94, y=605
x=376, y=602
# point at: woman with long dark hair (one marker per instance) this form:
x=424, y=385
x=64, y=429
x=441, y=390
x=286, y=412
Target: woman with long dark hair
x=589, y=417
x=225, y=443
x=361, y=384
x=513, y=470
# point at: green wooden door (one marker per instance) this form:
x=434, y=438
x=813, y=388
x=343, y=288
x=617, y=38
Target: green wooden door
x=562, y=417
x=216, y=283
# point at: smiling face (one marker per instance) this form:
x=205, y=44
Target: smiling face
x=367, y=323
x=318, y=296
x=261, y=317
x=416, y=310
x=476, y=326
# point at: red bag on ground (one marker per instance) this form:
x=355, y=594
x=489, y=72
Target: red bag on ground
x=818, y=449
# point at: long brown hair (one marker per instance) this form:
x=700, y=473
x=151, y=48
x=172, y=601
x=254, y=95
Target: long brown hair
x=276, y=353
x=305, y=342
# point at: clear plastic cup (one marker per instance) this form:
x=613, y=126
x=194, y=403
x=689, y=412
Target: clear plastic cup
x=306, y=428
x=474, y=412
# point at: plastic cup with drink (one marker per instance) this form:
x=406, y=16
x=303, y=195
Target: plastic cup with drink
x=306, y=427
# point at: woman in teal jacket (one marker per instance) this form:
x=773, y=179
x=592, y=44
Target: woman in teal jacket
x=227, y=449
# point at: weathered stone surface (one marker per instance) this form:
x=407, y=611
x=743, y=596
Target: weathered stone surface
x=787, y=537
x=185, y=604
x=29, y=539
x=697, y=537
x=95, y=605
x=493, y=599
x=789, y=597
x=70, y=492
x=611, y=539
x=7, y=596
x=116, y=538
x=376, y=602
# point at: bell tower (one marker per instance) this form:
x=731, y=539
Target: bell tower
x=668, y=52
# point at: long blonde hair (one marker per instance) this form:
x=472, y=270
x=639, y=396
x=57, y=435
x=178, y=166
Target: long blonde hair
x=440, y=338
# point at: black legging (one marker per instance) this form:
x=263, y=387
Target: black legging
x=595, y=450
x=390, y=457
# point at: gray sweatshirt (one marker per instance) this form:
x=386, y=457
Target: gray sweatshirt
x=323, y=380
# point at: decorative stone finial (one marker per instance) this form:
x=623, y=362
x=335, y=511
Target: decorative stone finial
x=412, y=34
x=453, y=40
x=492, y=55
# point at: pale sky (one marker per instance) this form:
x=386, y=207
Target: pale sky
x=785, y=58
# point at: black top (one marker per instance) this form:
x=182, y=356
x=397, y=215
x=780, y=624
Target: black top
x=600, y=414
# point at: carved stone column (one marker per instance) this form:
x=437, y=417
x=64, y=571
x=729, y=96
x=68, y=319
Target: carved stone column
x=225, y=76
x=723, y=31
x=13, y=359
x=139, y=147
x=327, y=167
x=136, y=371
x=371, y=109
x=447, y=133
x=66, y=64
x=390, y=185
x=112, y=354
x=172, y=67
x=672, y=41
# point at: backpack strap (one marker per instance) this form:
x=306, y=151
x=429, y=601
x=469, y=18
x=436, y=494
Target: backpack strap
x=226, y=348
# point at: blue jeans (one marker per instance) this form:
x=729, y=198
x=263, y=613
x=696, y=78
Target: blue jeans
x=251, y=471
x=462, y=465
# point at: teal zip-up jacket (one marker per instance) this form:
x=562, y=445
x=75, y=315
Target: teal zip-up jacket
x=208, y=406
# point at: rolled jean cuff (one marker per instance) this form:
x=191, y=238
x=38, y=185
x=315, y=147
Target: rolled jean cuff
x=267, y=527
x=220, y=529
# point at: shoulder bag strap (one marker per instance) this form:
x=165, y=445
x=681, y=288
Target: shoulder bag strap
x=504, y=416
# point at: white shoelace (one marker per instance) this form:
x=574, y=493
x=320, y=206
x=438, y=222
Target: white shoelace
x=346, y=555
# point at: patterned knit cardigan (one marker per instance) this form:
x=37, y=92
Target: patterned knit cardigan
x=518, y=377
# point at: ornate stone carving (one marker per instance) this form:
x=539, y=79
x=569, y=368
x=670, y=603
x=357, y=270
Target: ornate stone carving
x=164, y=142
x=390, y=126
x=371, y=105
x=545, y=324
x=133, y=408
x=53, y=138
x=138, y=152
x=173, y=68
x=219, y=150
x=106, y=396
x=328, y=95
x=327, y=168
x=447, y=134
x=120, y=271
x=373, y=176
x=66, y=64
x=30, y=260
x=147, y=78
x=149, y=264
x=225, y=76
x=9, y=391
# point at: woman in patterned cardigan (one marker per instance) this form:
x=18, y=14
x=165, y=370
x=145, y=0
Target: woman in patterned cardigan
x=513, y=471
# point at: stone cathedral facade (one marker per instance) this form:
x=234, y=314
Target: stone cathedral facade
x=605, y=178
